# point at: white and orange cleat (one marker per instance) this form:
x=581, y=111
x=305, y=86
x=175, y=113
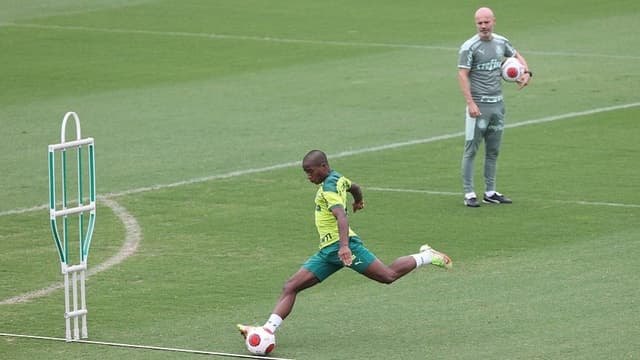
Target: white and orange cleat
x=438, y=258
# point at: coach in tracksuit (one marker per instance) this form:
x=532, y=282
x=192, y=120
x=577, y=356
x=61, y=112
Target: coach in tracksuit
x=479, y=66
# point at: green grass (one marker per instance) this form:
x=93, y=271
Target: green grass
x=185, y=91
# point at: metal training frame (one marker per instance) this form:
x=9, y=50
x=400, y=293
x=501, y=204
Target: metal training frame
x=78, y=271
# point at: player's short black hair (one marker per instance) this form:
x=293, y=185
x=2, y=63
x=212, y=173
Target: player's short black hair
x=318, y=157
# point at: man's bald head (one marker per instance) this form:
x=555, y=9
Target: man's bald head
x=485, y=21
x=484, y=12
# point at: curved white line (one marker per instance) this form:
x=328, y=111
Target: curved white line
x=133, y=237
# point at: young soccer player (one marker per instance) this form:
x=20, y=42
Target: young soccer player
x=340, y=246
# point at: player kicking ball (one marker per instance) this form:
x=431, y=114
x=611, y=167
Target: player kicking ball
x=339, y=245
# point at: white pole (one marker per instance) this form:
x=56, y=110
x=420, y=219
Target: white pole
x=67, y=320
x=76, y=328
x=83, y=303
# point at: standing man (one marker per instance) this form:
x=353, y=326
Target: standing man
x=479, y=66
x=339, y=245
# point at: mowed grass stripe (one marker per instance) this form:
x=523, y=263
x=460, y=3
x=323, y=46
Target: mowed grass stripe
x=338, y=155
x=296, y=41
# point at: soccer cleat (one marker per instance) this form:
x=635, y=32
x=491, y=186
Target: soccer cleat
x=496, y=198
x=472, y=202
x=244, y=329
x=438, y=258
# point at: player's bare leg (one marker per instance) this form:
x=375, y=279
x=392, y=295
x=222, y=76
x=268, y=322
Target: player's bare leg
x=403, y=265
x=387, y=274
x=302, y=279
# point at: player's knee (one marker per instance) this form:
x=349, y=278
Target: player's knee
x=388, y=277
x=289, y=287
x=292, y=286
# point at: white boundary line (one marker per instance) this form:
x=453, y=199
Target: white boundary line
x=144, y=347
x=415, y=191
x=338, y=155
x=290, y=40
x=448, y=193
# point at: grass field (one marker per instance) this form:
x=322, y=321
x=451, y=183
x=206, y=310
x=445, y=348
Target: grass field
x=202, y=110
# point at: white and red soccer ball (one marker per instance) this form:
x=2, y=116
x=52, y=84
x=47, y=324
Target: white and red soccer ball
x=512, y=69
x=260, y=341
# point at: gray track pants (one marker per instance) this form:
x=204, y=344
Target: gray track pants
x=488, y=127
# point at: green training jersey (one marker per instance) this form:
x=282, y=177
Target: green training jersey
x=484, y=60
x=332, y=193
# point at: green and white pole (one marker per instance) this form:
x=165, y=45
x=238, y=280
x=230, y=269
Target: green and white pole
x=64, y=211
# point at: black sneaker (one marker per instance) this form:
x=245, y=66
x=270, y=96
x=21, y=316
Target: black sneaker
x=471, y=202
x=496, y=198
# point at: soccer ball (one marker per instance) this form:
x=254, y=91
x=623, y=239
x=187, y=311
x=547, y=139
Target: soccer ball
x=512, y=69
x=260, y=341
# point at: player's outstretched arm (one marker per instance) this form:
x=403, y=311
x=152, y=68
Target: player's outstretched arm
x=358, y=200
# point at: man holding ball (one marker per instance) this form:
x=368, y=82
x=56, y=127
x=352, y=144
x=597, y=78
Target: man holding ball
x=479, y=75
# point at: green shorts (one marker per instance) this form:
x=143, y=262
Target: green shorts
x=326, y=261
